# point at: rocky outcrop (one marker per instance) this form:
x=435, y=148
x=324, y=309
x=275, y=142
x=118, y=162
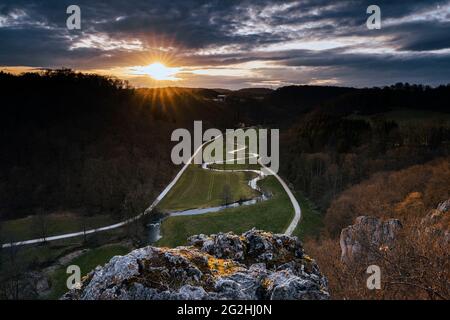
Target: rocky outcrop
x=444, y=206
x=254, y=265
x=437, y=222
x=367, y=236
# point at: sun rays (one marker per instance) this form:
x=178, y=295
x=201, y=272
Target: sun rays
x=157, y=71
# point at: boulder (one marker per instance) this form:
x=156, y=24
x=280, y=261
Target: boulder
x=367, y=236
x=437, y=222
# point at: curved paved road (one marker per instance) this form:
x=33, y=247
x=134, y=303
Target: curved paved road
x=297, y=211
x=289, y=230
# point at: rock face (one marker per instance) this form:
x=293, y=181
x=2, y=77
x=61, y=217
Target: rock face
x=367, y=235
x=254, y=265
x=444, y=207
x=437, y=222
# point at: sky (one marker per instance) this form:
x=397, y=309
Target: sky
x=232, y=44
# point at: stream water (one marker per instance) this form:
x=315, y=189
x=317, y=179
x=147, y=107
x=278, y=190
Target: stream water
x=154, y=227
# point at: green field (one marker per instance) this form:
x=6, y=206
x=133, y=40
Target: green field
x=200, y=188
x=57, y=223
x=86, y=262
x=271, y=215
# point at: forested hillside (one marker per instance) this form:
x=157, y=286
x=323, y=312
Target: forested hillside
x=89, y=143
x=324, y=153
x=285, y=106
x=72, y=140
x=382, y=154
x=416, y=264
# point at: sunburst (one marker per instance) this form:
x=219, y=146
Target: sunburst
x=158, y=71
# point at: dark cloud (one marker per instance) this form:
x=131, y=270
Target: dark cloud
x=422, y=36
x=33, y=33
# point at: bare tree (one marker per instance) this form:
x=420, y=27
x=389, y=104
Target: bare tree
x=84, y=225
x=40, y=224
x=2, y=240
x=134, y=204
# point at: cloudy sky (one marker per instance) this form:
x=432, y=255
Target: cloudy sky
x=233, y=44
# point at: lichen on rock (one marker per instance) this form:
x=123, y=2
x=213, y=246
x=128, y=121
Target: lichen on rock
x=255, y=265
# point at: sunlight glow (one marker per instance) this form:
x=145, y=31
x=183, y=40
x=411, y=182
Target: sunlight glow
x=157, y=71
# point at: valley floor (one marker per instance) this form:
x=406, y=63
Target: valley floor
x=273, y=215
x=199, y=188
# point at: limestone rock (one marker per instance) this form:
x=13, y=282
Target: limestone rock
x=366, y=236
x=251, y=266
x=444, y=206
x=437, y=222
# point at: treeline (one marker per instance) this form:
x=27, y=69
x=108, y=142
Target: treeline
x=284, y=106
x=280, y=107
x=88, y=142
x=405, y=194
x=401, y=95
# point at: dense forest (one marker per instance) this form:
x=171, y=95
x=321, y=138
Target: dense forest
x=89, y=143
x=324, y=154
x=286, y=106
x=380, y=153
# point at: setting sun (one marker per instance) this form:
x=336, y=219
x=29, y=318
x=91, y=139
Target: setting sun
x=158, y=71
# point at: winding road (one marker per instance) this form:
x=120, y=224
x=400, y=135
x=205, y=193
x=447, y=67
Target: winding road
x=288, y=231
x=297, y=211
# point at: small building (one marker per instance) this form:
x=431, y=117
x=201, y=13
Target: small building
x=220, y=98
